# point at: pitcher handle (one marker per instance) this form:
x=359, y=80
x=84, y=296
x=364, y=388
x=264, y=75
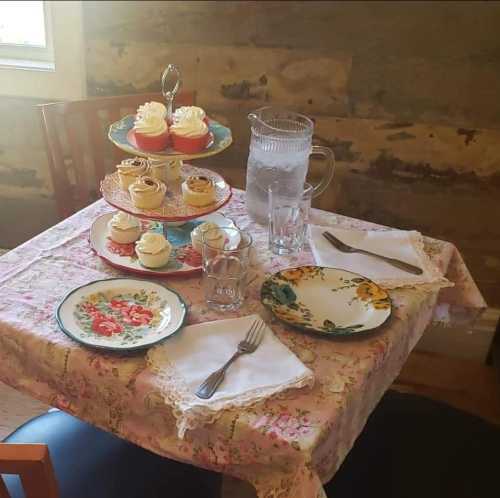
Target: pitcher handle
x=330, y=165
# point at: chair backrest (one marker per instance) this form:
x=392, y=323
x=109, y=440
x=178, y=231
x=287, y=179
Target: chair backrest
x=78, y=150
x=33, y=465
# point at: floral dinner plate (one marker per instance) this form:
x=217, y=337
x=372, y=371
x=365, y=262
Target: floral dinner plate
x=121, y=314
x=184, y=260
x=327, y=301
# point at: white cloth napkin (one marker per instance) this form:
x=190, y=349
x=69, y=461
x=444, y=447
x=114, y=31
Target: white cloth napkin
x=404, y=245
x=185, y=360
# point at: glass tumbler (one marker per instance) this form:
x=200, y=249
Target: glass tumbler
x=288, y=210
x=226, y=260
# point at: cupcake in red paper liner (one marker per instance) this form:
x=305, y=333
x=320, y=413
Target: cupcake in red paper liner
x=189, y=136
x=151, y=128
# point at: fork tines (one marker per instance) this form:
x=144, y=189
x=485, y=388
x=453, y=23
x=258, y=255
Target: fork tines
x=256, y=333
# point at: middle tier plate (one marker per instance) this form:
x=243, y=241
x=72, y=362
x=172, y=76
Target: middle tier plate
x=174, y=208
x=184, y=260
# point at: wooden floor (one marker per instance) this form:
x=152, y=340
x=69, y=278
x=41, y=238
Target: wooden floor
x=16, y=408
x=461, y=383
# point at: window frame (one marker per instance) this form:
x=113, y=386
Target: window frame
x=27, y=56
x=63, y=78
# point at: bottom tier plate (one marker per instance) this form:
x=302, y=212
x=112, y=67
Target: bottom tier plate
x=184, y=260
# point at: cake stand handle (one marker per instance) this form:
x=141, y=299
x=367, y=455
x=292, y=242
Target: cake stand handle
x=170, y=84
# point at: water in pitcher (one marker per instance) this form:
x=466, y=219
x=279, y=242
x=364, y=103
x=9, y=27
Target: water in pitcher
x=263, y=168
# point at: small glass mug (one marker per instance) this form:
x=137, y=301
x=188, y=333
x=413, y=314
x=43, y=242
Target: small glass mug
x=289, y=206
x=225, y=267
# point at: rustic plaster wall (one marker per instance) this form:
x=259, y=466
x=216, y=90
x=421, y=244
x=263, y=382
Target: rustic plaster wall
x=404, y=92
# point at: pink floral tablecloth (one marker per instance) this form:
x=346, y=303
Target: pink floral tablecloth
x=285, y=446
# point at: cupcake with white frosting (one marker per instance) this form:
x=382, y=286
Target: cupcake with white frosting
x=131, y=169
x=152, y=108
x=189, y=112
x=147, y=192
x=124, y=228
x=213, y=235
x=151, y=128
x=153, y=250
x=189, y=136
x=198, y=191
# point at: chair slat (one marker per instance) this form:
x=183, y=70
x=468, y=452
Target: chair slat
x=98, y=148
x=58, y=172
x=78, y=159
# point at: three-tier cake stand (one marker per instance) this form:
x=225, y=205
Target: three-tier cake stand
x=174, y=218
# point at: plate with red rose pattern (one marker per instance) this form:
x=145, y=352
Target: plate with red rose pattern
x=183, y=261
x=121, y=314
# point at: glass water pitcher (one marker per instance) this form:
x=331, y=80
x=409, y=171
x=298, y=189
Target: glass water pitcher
x=280, y=147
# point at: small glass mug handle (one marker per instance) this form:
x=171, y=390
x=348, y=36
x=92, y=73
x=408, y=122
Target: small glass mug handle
x=329, y=157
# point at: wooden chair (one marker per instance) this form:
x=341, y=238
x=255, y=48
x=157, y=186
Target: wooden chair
x=32, y=463
x=78, y=150
x=87, y=462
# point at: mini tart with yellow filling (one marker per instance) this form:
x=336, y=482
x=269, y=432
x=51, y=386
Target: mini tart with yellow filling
x=147, y=192
x=131, y=169
x=198, y=191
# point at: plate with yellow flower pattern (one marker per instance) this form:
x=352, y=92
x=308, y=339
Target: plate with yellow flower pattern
x=326, y=301
x=121, y=314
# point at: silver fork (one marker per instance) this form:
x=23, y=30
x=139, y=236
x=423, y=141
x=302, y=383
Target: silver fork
x=342, y=246
x=247, y=346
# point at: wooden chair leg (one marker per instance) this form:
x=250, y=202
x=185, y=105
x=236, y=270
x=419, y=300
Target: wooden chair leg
x=33, y=465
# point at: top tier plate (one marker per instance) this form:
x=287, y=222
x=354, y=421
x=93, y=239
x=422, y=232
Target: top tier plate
x=174, y=208
x=120, y=133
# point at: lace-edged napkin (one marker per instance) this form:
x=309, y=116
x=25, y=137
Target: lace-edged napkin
x=185, y=360
x=400, y=244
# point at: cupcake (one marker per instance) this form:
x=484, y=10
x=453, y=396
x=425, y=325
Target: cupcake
x=189, y=112
x=215, y=236
x=165, y=170
x=198, y=191
x=147, y=192
x=131, y=169
x=124, y=228
x=150, y=127
x=153, y=250
x=152, y=108
x=151, y=133
x=189, y=136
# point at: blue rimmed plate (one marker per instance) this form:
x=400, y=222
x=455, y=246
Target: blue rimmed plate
x=120, y=133
x=121, y=314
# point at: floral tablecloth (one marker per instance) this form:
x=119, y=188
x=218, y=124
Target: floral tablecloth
x=285, y=446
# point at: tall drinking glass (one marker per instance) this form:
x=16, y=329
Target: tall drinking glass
x=289, y=206
x=226, y=260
